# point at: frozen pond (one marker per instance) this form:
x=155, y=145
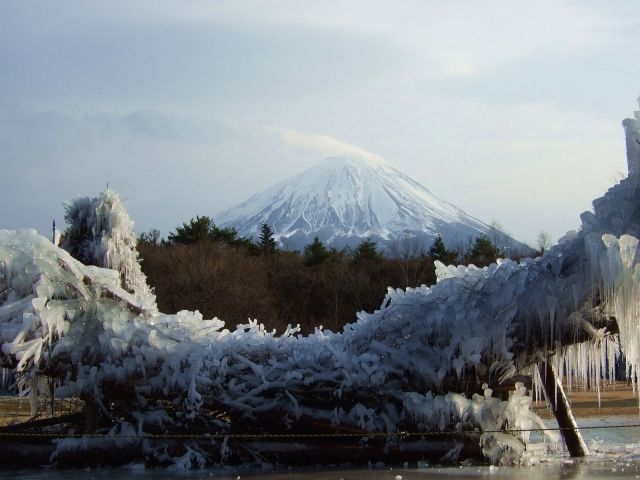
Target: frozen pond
x=615, y=453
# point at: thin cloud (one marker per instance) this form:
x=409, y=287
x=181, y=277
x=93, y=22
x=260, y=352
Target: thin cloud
x=324, y=145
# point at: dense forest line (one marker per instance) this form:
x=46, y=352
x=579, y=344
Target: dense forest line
x=203, y=267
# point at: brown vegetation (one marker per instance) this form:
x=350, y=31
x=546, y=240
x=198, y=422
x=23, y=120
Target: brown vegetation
x=616, y=398
x=17, y=410
x=234, y=283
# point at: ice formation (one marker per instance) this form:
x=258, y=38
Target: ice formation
x=384, y=372
x=632, y=137
x=423, y=362
x=101, y=233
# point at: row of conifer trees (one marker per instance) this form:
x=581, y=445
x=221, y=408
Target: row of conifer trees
x=201, y=266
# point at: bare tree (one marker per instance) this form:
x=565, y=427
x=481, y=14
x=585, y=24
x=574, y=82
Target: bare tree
x=543, y=241
x=500, y=238
x=406, y=250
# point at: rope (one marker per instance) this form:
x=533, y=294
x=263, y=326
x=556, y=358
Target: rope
x=262, y=436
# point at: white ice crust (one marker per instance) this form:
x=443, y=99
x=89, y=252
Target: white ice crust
x=101, y=233
x=56, y=309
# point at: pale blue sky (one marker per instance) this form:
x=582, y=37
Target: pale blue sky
x=510, y=110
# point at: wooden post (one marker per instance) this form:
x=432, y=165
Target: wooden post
x=561, y=410
x=91, y=415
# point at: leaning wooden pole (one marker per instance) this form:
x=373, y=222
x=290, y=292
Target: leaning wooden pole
x=561, y=410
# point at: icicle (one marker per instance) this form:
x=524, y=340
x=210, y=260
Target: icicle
x=621, y=281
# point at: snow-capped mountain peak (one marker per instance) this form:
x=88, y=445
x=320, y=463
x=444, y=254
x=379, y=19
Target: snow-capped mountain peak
x=346, y=199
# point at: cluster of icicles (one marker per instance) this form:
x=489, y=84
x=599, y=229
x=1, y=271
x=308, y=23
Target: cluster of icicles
x=610, y=237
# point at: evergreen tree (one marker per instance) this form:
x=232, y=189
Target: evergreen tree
x=438, y=251
x=197, y=230
x=483, y=252
x=152, y=237
x=228, y=235
x=202, y=229
x=315, y=253
x=366, y=252
x=267, y=243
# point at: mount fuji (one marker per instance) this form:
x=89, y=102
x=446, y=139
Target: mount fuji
x=344, y=200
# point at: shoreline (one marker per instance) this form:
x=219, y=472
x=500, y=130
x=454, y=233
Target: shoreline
x=616, y=399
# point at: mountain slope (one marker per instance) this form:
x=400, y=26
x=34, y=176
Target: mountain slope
x=344, y=200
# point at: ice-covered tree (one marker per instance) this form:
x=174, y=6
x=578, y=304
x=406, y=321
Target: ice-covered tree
x=101, y=233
